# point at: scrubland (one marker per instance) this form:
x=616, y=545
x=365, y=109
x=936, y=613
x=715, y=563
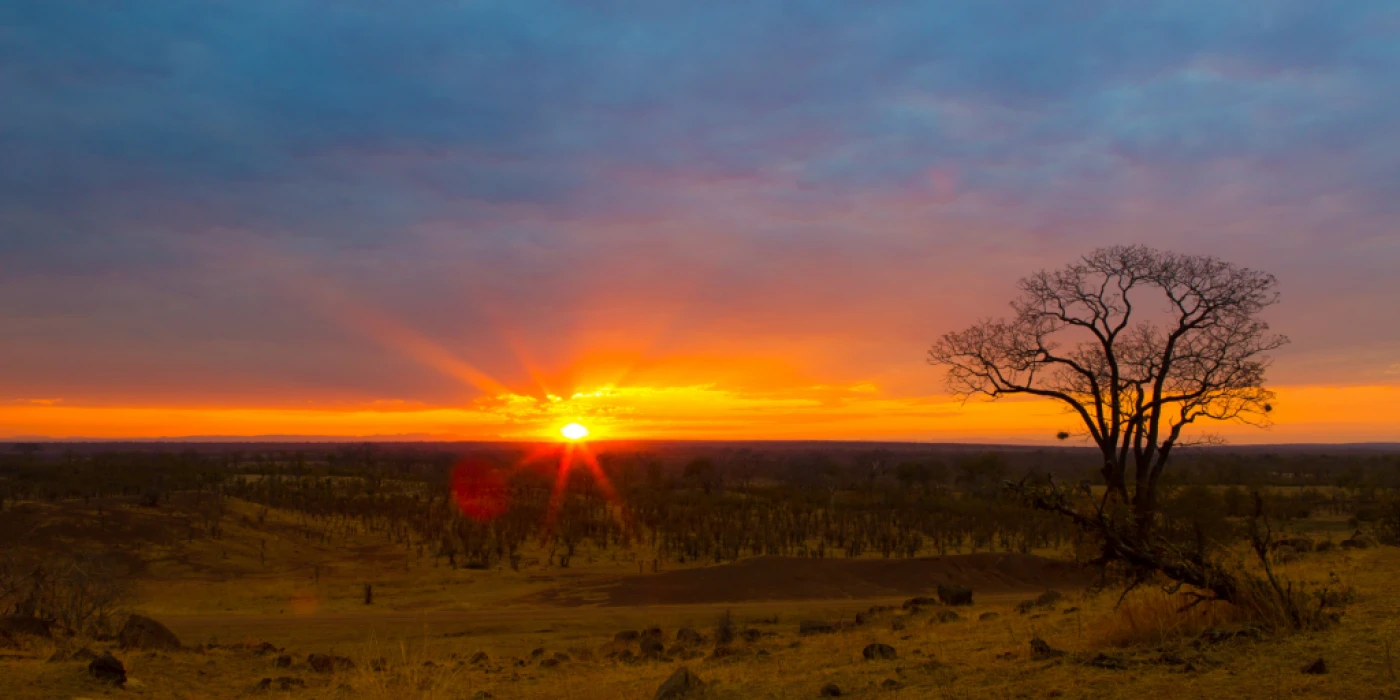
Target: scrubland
x=266, y=588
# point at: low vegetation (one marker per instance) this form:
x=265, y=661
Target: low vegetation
x=260, y=563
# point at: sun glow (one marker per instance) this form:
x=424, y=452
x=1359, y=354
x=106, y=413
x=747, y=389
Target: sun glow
x=574, y=431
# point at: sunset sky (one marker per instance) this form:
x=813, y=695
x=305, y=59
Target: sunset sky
x=460, y=220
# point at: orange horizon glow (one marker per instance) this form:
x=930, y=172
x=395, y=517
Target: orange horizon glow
x=860, y=411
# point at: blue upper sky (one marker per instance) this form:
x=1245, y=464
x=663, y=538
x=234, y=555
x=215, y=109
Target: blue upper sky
x=183, y=184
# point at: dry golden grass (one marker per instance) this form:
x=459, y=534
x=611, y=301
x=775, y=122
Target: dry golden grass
x=427, y=622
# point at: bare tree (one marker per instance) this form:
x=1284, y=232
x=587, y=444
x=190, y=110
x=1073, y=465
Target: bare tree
x=1138, y=344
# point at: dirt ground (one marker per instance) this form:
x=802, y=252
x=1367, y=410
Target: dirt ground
x=790, y=578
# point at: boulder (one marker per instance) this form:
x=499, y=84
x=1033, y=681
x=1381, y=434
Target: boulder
x=751, y=635
x=141, y=632
x=954, y=595
x=919, y=602
x=1040, y=650
x=326, y=663
x=108, y=669
x=652, y=648
x=686, y=635
x=831, y=690
x=879, y=652
x=1049, y=598
x=949, y=616
x=815, y=627
x=680, y=684
x=627, y=636
x=1111, y=663
x=1359, y=541
x=1316, y=668
x=284, y=661
x=988, y=617
x=1299, y=544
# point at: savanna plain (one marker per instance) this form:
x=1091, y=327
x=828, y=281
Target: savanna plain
x=713, y=570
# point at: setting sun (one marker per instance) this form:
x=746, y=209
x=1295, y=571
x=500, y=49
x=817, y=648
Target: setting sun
x=574, y=431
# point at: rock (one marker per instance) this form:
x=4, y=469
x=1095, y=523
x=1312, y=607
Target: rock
x=326, y=663
x=1326, y=546
x=831, y=690
x=1316, y=668
x=83, y=654
x=1040, y=650
x=482, y=695
x=686, y=635
x=680, y=684
x=549, y=663
x=897, y=625
x=24, y=625
x=949, y=616
x=265, y=648
x=536, y=653
x=654, y=633
x=918, y=602
x=861, y=618
x=1359, y=541
x=1216, y=635
x=751, y=635
x=1025, y=606
x=652, y=648
x=1070, y=610
x=284, y=661
x=1111, y=663
x=479, y=657
x=1299, y=544
x=141, y=632
x=877, y=652
x=627, y=636
x=815, y=627
x=108, y=669
x=723, y=652
x=1285, y=554
x=988, y=617
x=891, y=684
x=561, y=657
x=1049, y=598
x=954, y=595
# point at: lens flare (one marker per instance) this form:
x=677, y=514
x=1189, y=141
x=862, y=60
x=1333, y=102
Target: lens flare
x=574, y=431
x=479, y=490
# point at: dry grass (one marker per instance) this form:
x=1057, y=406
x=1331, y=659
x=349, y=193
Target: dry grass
x=221, y=591
x=1152, y=617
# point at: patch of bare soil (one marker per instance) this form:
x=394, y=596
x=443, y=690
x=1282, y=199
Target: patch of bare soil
x=786, y=578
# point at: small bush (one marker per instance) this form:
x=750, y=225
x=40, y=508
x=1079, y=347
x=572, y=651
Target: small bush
x=725, y=631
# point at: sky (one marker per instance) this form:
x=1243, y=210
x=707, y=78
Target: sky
x=459, y=219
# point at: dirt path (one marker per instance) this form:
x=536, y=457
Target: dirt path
x=787, y=579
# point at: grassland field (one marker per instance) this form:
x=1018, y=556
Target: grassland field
x=268, y=579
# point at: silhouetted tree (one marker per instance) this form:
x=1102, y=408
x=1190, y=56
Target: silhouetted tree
x=1138, y=344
